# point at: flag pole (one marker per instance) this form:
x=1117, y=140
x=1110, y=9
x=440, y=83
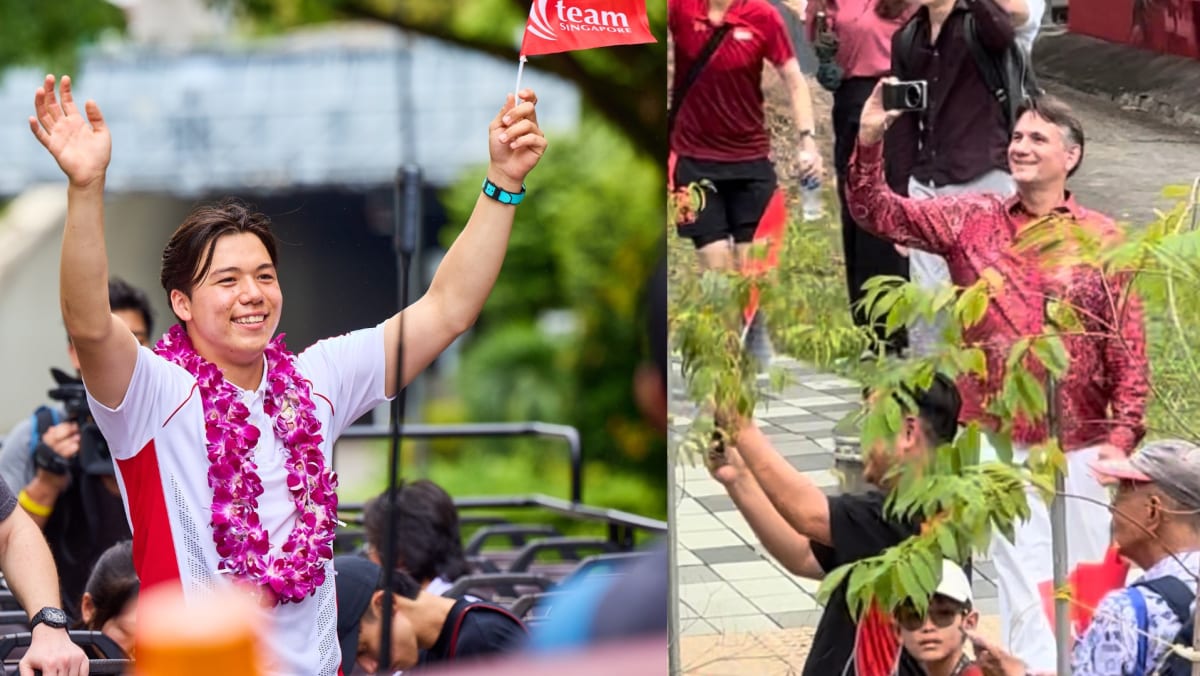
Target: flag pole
x=520, y=72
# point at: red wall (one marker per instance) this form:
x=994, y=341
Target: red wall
x=1166, y=26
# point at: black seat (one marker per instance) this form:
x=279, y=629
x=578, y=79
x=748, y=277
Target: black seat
x=569, y=551
x=499, y=587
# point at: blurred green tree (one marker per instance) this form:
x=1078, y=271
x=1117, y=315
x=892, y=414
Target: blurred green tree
x=627, y=84
x=587, y=238
x=34, y=32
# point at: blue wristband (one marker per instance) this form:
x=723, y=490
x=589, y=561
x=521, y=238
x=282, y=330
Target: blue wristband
x=501, y=195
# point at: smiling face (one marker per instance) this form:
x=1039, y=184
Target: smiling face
x=233, y=310
x=1040, y=154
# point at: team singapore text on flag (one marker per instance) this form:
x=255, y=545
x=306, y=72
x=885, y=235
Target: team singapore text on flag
x=568, y=25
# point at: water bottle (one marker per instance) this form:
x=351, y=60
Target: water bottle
x=810, y=198
x=810, y=194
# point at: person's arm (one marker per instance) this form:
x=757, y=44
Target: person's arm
x=996, y=26
x=802, y=114
x=801, y=503
x=1019, y=11
x=42, y=491
x=82, y=146
x=467, y=273
x=29, y=570
x=790, y=548
x=779, y=51
x=994, y=660
x=931, y=225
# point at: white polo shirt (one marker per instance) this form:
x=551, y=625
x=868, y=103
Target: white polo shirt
x=157, y=438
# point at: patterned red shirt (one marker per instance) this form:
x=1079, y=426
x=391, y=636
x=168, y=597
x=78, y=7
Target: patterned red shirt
x=1102, y=397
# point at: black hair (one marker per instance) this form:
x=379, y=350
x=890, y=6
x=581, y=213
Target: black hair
x=188, y=255
x=427, y=537
x=938, y=408
x=403, y=584
x=123, y=296
x=112, y=584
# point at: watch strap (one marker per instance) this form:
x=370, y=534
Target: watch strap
x=51, y=617
x=501, y=195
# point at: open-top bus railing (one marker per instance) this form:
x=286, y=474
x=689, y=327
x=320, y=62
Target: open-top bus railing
x=621, y=525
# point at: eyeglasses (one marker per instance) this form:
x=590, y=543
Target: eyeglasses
x=942, y=615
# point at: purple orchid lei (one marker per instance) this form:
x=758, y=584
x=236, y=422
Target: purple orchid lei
x=297, y=569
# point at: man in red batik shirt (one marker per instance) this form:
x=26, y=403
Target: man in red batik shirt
x=1101, y=398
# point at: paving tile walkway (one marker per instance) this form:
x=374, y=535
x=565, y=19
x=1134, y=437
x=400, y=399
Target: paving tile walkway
x=739, y=610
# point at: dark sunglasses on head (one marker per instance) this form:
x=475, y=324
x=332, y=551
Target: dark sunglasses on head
x=942, y=614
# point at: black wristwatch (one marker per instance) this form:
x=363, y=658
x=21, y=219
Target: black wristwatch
x=52, y=617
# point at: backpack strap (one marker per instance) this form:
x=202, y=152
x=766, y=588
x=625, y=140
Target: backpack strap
x=906, y=39
x=702, y=59
x=990, y=66
x=1177, y=595
x=1143, y=624
x=472, y=606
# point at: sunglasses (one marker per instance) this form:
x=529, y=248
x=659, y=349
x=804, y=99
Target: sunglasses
x=942, y=614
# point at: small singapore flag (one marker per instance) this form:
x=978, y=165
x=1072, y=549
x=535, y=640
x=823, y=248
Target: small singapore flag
x=568, y=25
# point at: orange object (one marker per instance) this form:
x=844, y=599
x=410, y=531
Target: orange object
x=211, y=635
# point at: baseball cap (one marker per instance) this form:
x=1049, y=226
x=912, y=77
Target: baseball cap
x=356, y=579
x=954, y=584
x=1171, y=464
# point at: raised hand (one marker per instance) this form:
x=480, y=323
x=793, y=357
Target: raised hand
x=875, y=120
x=515, y=141
x=82, y=147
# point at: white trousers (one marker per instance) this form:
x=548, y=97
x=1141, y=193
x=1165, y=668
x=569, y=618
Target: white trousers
x=929, y=271
x=1025, y=565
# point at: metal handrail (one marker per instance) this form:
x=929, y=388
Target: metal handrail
x=473, y=430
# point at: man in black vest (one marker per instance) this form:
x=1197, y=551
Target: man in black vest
x=58, y=464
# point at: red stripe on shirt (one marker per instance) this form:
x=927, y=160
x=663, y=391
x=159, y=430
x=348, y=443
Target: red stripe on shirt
x=153, y=546
x=195, y=386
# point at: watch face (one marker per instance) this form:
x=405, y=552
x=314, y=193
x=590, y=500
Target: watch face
x=53, y=617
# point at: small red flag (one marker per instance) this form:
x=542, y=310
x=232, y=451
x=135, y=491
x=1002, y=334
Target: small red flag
x=567, y=25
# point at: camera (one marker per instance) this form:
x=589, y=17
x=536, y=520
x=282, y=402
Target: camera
x=94, y=457
x=905, y=96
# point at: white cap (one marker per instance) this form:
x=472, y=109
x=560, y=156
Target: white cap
x=954, y=584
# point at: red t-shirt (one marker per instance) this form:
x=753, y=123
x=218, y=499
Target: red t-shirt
x=722, y=116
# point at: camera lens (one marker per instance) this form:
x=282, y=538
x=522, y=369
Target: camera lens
x=912, y=96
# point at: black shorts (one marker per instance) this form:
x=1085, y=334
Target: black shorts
x=735, y=196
